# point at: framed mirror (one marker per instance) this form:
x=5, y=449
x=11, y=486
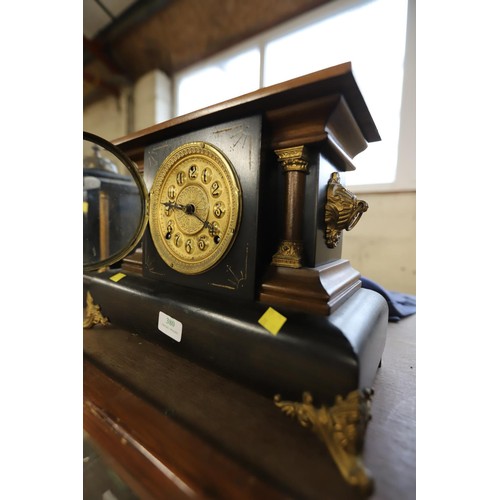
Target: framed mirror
x=115, y=204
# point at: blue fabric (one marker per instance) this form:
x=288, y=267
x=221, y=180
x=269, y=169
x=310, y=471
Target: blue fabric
x=400, y=305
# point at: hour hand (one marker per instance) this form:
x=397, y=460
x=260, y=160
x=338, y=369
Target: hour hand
x=171, y=204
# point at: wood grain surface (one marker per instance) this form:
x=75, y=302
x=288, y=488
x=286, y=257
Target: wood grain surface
x=163, y=420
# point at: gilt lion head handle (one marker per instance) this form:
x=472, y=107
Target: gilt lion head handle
x=342, y=210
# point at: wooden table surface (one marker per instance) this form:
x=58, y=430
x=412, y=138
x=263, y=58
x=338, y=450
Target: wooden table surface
x=174, y=429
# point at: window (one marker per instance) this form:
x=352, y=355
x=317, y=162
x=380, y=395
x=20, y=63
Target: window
x=370, y=34
x=230, y=77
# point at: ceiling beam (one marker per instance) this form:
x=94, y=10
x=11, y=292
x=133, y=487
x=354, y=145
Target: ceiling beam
x=97, y=50
x=137, y=13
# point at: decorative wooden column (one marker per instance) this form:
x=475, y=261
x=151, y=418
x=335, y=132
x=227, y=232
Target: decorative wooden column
x=295, y=166
x=298, y=133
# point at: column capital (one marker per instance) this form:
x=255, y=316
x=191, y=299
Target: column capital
x=294, y=159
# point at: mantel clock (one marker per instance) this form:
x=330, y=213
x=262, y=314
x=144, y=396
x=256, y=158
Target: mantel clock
x=236, y=213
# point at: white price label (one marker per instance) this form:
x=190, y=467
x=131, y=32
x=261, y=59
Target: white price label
x=170, y=326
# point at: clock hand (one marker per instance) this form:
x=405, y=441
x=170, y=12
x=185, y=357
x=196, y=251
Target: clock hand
x=187, y=209
x=213, y=230
x=171, y=204
x=191, y=210
x=204, y=222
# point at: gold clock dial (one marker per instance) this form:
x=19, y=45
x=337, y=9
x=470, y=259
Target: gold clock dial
x=195, y=208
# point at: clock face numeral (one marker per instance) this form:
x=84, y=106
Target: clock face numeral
x=219, y=209
x=193, y=172
x=214, y=229
x=170, y=230
x=206, y=175
x=197, y=221
x=215, y=189
x=202, y=243
x=181, y=178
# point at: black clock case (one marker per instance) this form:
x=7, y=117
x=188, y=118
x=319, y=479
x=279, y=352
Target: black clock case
x=325, y=355
x=238, y=274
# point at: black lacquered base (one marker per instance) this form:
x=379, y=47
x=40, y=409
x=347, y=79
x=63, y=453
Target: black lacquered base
x=323, y=355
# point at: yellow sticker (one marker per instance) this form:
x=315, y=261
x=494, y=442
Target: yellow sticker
x=85, y=207
x=272, y=321
x=117, y=277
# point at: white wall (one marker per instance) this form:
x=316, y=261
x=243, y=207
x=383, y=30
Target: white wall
x=146, y=103
x=108, y=117
x=152, y=100
x=382, y=246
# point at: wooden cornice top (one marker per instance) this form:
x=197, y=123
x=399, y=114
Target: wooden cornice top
x=336, y=80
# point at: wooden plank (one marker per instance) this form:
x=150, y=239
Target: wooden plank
x=236, y=421
x=157, y=457
x=390, y=444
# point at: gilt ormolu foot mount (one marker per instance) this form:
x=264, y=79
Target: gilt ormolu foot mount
x=93, y=314
x=341, y=428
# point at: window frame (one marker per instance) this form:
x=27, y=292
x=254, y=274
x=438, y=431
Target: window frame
x=405, y=178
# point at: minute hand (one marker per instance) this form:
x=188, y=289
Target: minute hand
x=205, y=222
x=190, y=210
